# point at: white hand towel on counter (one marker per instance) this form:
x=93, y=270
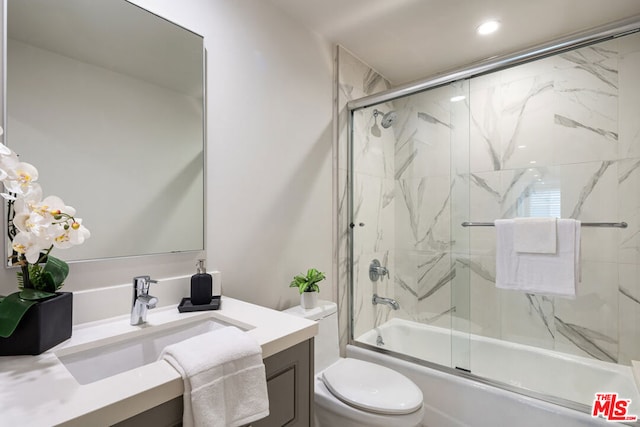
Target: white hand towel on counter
x=224, y=378
x=549, y=274
x=535, y=235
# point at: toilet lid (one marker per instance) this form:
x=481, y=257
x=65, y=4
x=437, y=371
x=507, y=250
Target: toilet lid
x=372, y=387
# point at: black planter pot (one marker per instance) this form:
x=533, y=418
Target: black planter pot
x=43, y=326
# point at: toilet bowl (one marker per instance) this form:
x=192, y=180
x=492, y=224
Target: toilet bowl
x=354, y=393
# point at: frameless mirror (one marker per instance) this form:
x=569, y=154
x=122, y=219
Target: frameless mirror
x=107, y=101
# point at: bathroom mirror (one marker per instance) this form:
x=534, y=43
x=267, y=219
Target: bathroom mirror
x=107, y=101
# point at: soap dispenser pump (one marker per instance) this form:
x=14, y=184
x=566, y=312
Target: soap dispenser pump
x=201, y=286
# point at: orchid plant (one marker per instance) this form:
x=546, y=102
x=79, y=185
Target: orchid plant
x=36, y=226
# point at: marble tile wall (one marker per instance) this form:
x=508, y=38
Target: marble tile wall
x=373, y=200
x=564, y=128
x=565, y=125
x=423, y=246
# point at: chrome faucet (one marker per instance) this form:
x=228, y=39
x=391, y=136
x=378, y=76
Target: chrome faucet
x=142, y=301
x=388, y=301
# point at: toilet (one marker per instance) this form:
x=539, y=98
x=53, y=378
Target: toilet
x=354, y=393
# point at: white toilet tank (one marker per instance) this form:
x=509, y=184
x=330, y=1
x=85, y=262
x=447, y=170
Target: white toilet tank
x=326, y=342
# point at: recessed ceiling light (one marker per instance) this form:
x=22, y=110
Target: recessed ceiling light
x=488, y=27
x=457, y=98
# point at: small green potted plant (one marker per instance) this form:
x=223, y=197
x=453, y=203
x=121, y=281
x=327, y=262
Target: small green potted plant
x=308, y=287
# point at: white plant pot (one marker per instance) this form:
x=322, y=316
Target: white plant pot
x=309, y=300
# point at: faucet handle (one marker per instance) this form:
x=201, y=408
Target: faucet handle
x=141, y=283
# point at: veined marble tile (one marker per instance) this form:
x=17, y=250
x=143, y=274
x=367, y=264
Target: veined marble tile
x=629, y=210
x=485, y=136
x=511, y=123
x=588, y=325
x=422, y=286
x=460, y=312
x=589, y=192
x=598, y=59
x=372, y=155
x=530, y=192
x=485, y=302
x=363, y=318
x=527, y=319
x=629, y=102
x=343, y=141
x=526, y=122
x=374, y=207
x=422, y=214
x=356, y=78
x=629, y=313
x=342, y=200
x=575, y=116
x=460, y=129
x=341, y=256
x=366, y=315
x=485, y=195
x=585, y=115
x=460, y=212
x=586, y=109
x=423, y=135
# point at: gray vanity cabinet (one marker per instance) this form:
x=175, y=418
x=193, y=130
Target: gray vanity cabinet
x=290, y=387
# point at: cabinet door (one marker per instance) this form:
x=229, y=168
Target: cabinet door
x=290, y=387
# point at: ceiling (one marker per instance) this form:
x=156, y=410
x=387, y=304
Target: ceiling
x=406, y=40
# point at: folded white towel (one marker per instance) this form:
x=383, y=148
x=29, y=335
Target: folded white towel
x=535, y=235
x=224, y=378
x=549, y=274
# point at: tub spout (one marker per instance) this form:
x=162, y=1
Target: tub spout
x=387, y=301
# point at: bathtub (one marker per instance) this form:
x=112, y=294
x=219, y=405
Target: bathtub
x=467, y=400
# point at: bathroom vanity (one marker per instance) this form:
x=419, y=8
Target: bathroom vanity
x=56, y=388
x=290, y=387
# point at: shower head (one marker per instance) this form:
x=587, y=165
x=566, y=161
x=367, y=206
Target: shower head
x=387, y=119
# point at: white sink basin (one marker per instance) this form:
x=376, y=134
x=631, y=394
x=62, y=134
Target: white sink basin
x=133, y=351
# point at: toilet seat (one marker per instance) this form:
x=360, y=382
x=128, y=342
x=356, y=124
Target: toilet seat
x=372, y=388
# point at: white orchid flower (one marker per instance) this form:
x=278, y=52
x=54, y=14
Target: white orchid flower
x=31, y=222
x=65, y=235
x=28, y=245
x=24, y=203
x=20, y=177
x=79, y=233
x=8, y=161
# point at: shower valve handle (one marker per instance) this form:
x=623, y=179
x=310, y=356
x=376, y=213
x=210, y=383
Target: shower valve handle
x=376, y=271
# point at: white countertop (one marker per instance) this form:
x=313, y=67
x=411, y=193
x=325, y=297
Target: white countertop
x=39, y=391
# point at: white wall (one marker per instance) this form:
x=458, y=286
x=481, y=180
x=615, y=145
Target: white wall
x=269, y=203
x=144, y=194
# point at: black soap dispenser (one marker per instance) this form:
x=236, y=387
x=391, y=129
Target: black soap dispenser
x=201, y=286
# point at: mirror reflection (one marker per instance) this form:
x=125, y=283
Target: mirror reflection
x=106, y=100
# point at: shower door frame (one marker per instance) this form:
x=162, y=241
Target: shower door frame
x=599, y=34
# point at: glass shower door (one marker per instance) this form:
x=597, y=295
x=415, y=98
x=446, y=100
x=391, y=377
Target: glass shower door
x=372, y=207
x=408, y=248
